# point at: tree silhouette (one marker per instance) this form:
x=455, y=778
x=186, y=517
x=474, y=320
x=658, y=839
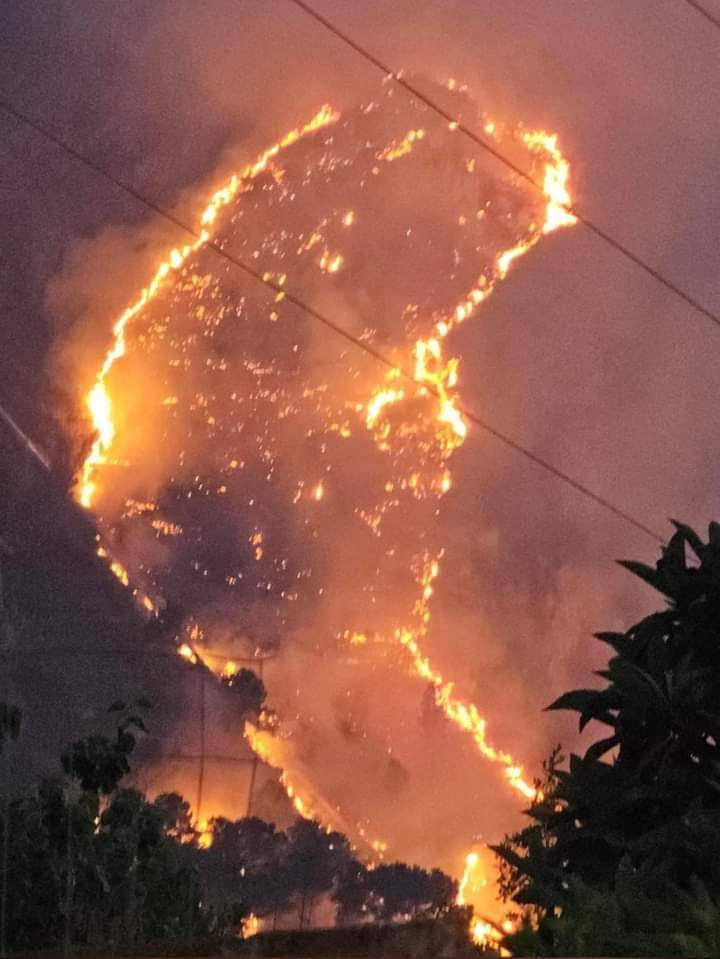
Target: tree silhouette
x=10, y=721
x=644, y=800
x=176, y=816
x=399, y=891
x=248, y=692
x=99, y=762
x=315, y=860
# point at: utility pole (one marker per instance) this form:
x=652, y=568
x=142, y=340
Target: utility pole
x=69, y=875
x=5, y=736
x=256, y=758
x=201, y=769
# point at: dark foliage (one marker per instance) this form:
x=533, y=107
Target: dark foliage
x=640, y=810
x=248, y=692
x=95, y=864
x=10, y=719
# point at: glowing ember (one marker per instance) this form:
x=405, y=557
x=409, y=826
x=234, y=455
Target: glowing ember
x=187, y=653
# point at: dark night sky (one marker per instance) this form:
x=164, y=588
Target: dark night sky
x=578, y=354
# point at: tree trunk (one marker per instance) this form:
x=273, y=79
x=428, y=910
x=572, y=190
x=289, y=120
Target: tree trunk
x=69, y=881
x=302, y=908
x=5, y=851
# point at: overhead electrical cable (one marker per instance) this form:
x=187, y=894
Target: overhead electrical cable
x=326, y=321
x=488, y=147
x=704, y=12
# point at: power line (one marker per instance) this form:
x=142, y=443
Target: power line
x=704, y=13
x=494, y=152
x=201, y=757
x=141, y=651
x=331, y=324
x=209, y=757
x=31, y=447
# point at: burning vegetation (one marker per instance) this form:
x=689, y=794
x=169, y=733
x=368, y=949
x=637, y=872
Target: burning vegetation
x=280, y=490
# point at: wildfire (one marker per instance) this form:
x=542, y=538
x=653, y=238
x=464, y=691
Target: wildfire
x=485, y=933
x=270, y=750
x=263, y=745
x=439, y=375
x=415, y=421
x=382, y=399
x=187, y=652
x=331, y=262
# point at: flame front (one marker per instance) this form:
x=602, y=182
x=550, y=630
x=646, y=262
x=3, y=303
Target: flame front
x=98, y=401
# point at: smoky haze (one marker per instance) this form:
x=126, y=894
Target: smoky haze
x=577, y=354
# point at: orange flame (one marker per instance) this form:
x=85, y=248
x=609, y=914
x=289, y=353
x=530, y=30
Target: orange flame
x=472, y=887
x=205, y=834
x=251, y=926
x=555, y=183
x=471, y=861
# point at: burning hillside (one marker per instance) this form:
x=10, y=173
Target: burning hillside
x=281, y=489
